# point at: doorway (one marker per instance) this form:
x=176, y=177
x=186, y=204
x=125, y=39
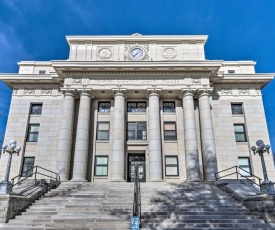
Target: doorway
x=136, y=162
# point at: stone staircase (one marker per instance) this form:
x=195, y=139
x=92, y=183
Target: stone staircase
x=109, y=206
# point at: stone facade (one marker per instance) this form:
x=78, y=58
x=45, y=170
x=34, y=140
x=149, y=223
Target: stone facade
x=168, y=110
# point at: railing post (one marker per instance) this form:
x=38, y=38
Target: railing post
x=35, y=175
x=237, y=172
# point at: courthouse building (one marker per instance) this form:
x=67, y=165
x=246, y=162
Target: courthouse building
x=149, y=102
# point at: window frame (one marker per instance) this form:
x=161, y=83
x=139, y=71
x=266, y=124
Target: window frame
x=136, y=131
x=29, y=133
x=23, y=165
x=137, y=110
x=32, y=109
x=103, y=110
x=233, y=110
x=164, y=130
x=101, y=165
x=244, y=132
x=171, y=165
x=245, y=166
x=97, y=130
x=168, y=110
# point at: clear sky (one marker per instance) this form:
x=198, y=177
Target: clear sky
x=238, y=30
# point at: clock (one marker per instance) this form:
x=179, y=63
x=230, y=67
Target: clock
x=137, y=53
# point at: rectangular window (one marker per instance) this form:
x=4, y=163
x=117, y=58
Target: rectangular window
x=170, y=132
x=240, y=134
x=104, y=106
x=42, y=71
x=27, y=168
x=33, y=133
x=231, y=71
x=169, y=106
x=237, y=108
x=136, y=131
x=36, y=109
x=101, y=166
x=171, y=166
x=103, y=130
x=244, y=163
x=136, y=106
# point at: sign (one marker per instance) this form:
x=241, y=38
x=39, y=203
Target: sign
x=134, y=223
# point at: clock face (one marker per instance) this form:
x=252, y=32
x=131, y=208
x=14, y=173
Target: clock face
x=137, y=53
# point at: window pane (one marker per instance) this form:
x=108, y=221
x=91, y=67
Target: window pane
x=141, y=126
x=131, y=126
x=170, y=135
x=168, y=106
x=141, y=135
x=27, y=165
x=104, y=106
x=171, y=160
x=103, y=126
x=170, y=126
x=239, y=128
x=34, y=128
x=236, y=109
x=131, y=135
x=101, y=160
x=36, y=109
x=33, y=137
x=243, y=161
x=240, y=137
x=171, y=170
x=103, y=135
x=244, y=173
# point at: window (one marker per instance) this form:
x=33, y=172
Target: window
x=244, y=163
x=237, y=108
x=103, y=130
x=28, y=164
x=42, y=71
x=170, y=132
x=136, y=106
x=168, y=106
x=33, y=133
x=101, y=166
x=231, y=71
x=136, y=131
x=240, y=133
x=104, y=107
x=171, y=166
x=36, y=109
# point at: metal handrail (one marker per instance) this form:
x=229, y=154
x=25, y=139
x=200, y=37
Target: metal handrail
x=56, y=178
x=237, y=174
x=137, y=197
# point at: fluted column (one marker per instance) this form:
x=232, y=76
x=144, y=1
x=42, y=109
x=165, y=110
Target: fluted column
x=82, y=138
x=207, y=137
x=118, y=164
x=154, y=137
x=190, y=135
x=65, y=136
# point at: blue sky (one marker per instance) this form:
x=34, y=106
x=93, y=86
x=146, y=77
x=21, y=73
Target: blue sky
x=238, y=30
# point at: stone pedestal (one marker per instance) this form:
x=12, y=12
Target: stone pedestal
x=118, y=148
x=5, y=187
x=155, y=158
x=82, y=139
x=65, y=136
x=190, y=137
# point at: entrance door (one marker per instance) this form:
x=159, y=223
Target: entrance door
x=136, y=162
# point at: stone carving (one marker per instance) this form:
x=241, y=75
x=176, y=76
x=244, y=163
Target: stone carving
x=226, y=91
x=244, y=91
x=29, y=91
x=129, y=47
x=15, y=91
x=104, y=53
x=77, y=81
x=169, y=53
x=46, y=91
x=196, y=81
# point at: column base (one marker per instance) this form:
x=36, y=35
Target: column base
x=5, y=188
x=78, y=180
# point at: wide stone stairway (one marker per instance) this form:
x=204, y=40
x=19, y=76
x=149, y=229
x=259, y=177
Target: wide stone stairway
x=109, y=206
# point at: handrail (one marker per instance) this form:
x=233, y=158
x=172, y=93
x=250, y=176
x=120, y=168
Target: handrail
x=56, y=177
x=237, y=174
x=137, y=197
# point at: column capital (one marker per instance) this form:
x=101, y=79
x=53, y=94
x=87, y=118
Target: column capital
x=119, y=92
x=84, y=92
x=70, y=92
x=187, y=92
x=204, y=92
x=153, y=92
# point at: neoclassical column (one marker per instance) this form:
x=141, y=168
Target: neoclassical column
x=154, y=138
x=118, y=148
x=65, y=136
x=190, y=135
x=82, y=138
x=207, y=137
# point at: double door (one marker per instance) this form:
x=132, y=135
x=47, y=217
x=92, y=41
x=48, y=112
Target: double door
x=136, y=163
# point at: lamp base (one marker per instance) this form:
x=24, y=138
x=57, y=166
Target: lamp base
x=5, y=188
x=268, y=187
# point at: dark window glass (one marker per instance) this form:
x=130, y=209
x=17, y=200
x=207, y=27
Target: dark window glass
x=136, y=131
x=170, y=132
x=136, y=106
x=244, y=163
x=104, y=107
x=171, y=166
x=36, y=109
x=28, y=164
x=101, y=166
x=240, y=134
x=237, y=108
x=231, y=71
x=42, y=71
x=168, y=106
x=103, y=130
x=33, y=133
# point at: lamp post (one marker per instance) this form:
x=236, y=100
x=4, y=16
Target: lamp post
x=261, y=148
x=11, y=148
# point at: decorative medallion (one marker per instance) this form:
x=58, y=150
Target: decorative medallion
x=46, y=91
x=226, y=91
x=136, y=52
x=105, y=53
x=29, y=91
x=169, y=53
x=244, y=91
x=196, y=81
